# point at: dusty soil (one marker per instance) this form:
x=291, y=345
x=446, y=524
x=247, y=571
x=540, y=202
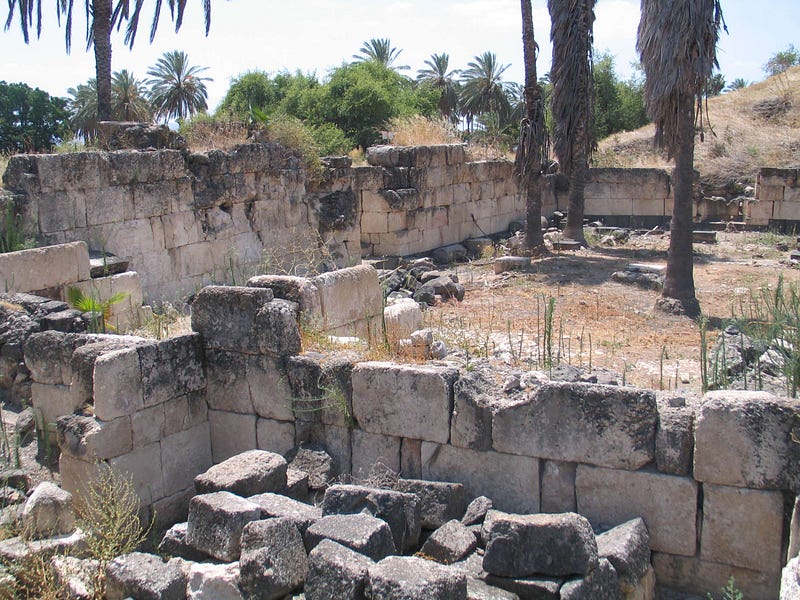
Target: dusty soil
x=600, y=323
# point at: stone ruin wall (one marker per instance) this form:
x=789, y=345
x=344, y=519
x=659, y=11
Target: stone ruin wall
x=715, y=482
x=777, y=197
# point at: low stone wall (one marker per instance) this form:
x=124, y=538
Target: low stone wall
x=777, y=198
x=714, y=482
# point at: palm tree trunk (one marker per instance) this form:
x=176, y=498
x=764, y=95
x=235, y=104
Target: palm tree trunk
x=573, y=229
x=101, y=31
x=679, y=278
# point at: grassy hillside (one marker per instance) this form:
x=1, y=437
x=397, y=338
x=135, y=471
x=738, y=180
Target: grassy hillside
x=757, y=126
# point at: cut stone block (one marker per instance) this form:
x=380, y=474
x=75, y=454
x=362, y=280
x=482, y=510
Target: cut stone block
x=373, y=454
x=144, y=577
x=558, y=487
x=174, y=543
x=503, y=264
x=118, y=389
x=742, y=527
x=246, y=474
x=335, y=572
x=480, y=590
x=386, y=400
x=601, y=584
x=13, y=550
x=402, y=319
x=183, y=455
x=348, y=296
x=668, y=504
x=213, y=582
x=275, y=436
x=449, y=543
x=406, y=577
x=365, y=534
x=790, y=580
x=585, y=423
x=528, y=545
x=439, y=502
x=674, y=439
x=476, y=511
x=231, y=434
x=476, y=400
x=316, y=462
x=627, y=546
x=172, y=368
x=273, y=561
x=48, y=512
x=90, y=439
x=744, y=439
x=216, y=521
x=277, y=506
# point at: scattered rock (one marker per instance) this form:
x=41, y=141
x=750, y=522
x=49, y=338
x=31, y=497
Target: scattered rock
x=450, y=543
x=48, y=512
x=246, y=474
x=273, y=561
x=411, y=578
x=335, y=572
x=144, y=577
x=364, y=534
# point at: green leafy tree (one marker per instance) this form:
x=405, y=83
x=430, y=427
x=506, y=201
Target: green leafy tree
x=129, y=98
x=438, y=75
x=30, y=119
x=177, y=89
x=618, y=105
x=101, y=16
x=381, y=51
x=677, y=43
x=483, y=89
x=780, y=61
x=284, y=92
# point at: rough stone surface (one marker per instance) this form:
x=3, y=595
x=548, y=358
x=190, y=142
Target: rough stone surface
x=216, y=521
x=475, y=401
x=246, y=474
x=335, y=572
x=213, y=582
x=76, y=576
x=674, y=439
x=174, y=543
x=277, y=506
x=450, y=543
x=365, y=534
x=537, y=588
x=48, y=512
x=600, y=584
x=273, y=561
x=144, y=577
x=558, y=487
x=790, y=580
x=401, y=511
x=439, y=502
x=744, y=439
x=231, y=434
x=476, y=511
x=316, y=462
x=527, y=545
x=668, y=504
x=584, y=423
x=741, y=527
x=480, y=590
x=627, y=546
x=410, y=578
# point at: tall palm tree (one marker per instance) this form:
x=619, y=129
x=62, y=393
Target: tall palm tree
x=438, y=76
x=101, y=17
x=534, y=143
x=737, y=84
x=82, y=105
x=380, y=50
x=571, y=28
x=128, y=98
x=483, y=89
x=177, y=90
x=677, y=44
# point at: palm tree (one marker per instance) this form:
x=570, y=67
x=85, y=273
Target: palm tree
x=483, y=89
x=82, y=105
x=128, y=98
x=440, y=78
x=177, y=90
x=533, y=147
x=572, y=22
x=103, y=16
x=380, y=50
x=737, y=84
x=677, y=43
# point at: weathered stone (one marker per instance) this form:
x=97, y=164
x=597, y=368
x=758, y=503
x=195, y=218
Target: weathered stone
x=277, y=506
x=439, y=502
x=273, y=561
x=573, y=422
x=475, y=401
x=401, y=511
x=476, y=511
x=350, y=298
x=409, y=578
x=363, y=533
x=231, y=434
x=790, y=580
x=13, y=550
x=216, y=521
x=627, y=546
x=401, y=319
x=91, y=439
x=526, y=545
x=275, y=436
x=742, y=527
x=172, y=368
x=77, y=577
x=296, y=485
x=443, y=287
x=183, y=455
x=744, y=439
x=480, y=590
x=316, y=462
x=486, y=473
x=300, y=290
x=449, y=543
x=144, y=577
x=600, y=584
x=386, y=400
x=335, y=572
x=558, y=487
x=674, y=439
x=534, y=588
x=118, y=388
x=668, y=504
x=502, y=264
x=174, y=543
x=213, y=582
x=246, y=474
x=47, y=512
x=373, y=455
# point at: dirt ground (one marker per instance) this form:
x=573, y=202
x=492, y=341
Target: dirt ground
x=600, y=323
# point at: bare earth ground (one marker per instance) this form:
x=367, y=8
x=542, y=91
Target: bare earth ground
x=613, y=325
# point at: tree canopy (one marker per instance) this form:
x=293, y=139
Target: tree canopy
x=30, y=119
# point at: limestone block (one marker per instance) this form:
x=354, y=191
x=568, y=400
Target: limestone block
x=361, y=532
x=213, y=582
x=125, y=239
x=181, y=229
x=118, y=386
x=790, y=581
x=216, y=522
x=770, y=193
x=450, y=543
x=335, y=571
x=558, y=487
x=668, y=504
x=274, y=436
x=184, y=455
x=246, y=474
x=439, y=502
x=273, y=561
x=148, y=425
x=595, y=424
x=703, y=577
x=476, y=400
x=400, y=577
x=511, y=481
x=269, y=389
x=372, y=454
x=274, y=506
x=231, y=434
x=53, y=401
x=152, y=199
x=144, y=576
x=173, y=509
x=374, y=222
x=91, y=439
x=742, y=527
x=349, y=295
x=125, y=314
x=41, y=268
x=228, y=387
x=401, y=319
x=47, y=512
x=627, y=547
x=48, y=354
x=601, y=583
x=411, y=458
x=295, y=289
x=386, y=400
x=744, y=439
x=759, y=212
x=76, y=474
x=143, y=467
x=367, y=178
x=674, y=439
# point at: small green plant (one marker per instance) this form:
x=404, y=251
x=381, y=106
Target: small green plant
x=100, y=310
x=729, y=592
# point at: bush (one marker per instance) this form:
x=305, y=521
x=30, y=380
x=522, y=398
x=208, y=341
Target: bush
x=416, y=130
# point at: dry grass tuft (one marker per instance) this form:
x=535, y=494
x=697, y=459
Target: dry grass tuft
x=204, y=133
x=417, y=130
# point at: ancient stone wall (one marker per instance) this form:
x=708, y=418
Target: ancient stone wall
x=777, y=197
x=714, y=481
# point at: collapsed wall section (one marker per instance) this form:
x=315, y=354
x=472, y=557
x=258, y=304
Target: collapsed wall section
x=777, y=198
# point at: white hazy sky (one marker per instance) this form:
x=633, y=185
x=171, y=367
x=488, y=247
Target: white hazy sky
x=315, y=35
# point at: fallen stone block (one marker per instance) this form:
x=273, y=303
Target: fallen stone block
x=335, y=572
x=313, y=460
x=540, y=588
x=449, y=543
x=246, y=474
x=297, y=484
x=174, y=543
x=480, y=590
x=406, y=577
x=476, y=511
x=600, y=584
x=16, y=549
x=401, y=319
x=365, y=534
x=542, y=544
x=48, y=512
x=216, y=521
x=213, y=582
x=273, y=561
x=627, y=547
x=144, y=577
x=278, y=506
x=503, y=264
x=439, y=502
x=790, y=580
x=77, y=577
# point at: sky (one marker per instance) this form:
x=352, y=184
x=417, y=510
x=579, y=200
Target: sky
x=317, y=35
